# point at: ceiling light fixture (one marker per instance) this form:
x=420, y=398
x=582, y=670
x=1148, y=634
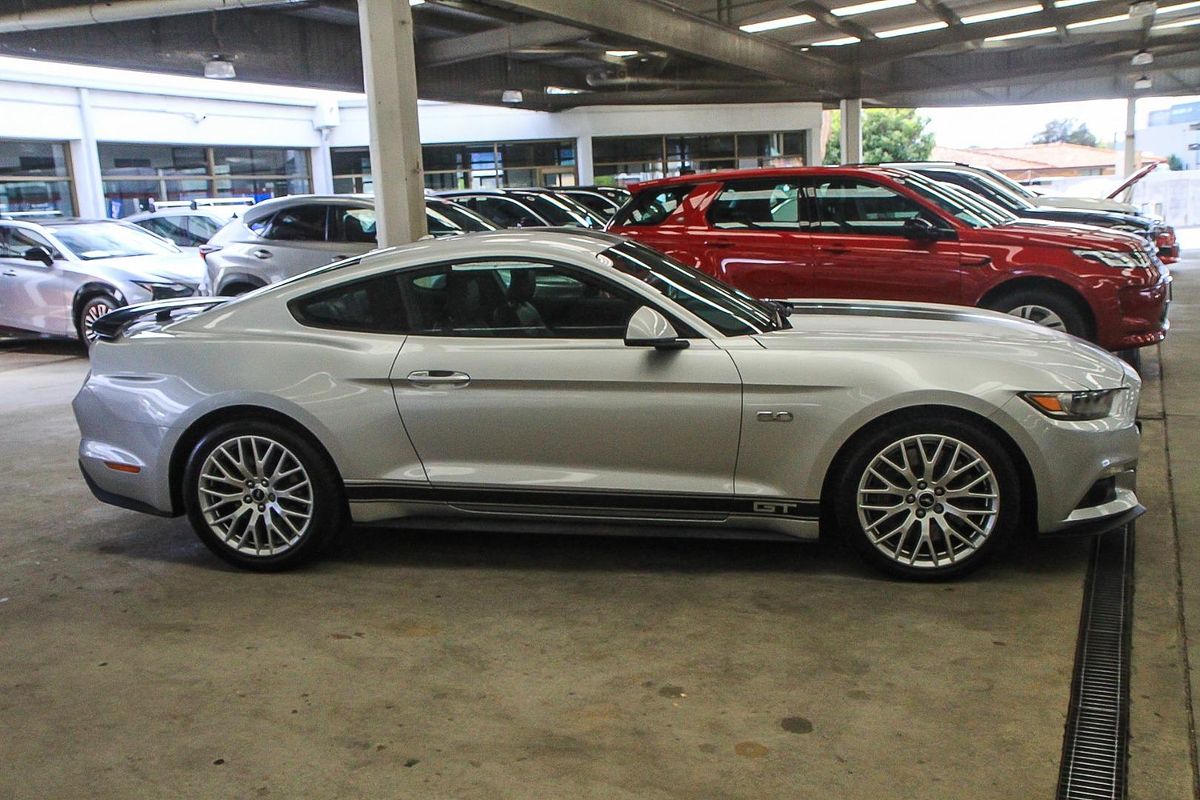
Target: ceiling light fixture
x=1004, y=37
x=1184, y=23
x=620, y=53
x=776, y=24
x=512, y=96
x=837, y=42
x=1070, y=3
x=867, y=8
x=911, y=29
x=1091, y=23
x=1005, y=14
x=219, y=68
x=1142, y=58
x=1143, y=83
x=1178, y=7
x=562, y=90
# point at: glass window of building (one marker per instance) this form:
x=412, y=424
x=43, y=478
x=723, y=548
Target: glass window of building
x=631, y=159
x=135, y=175
x=35, y=178
x=478, y=165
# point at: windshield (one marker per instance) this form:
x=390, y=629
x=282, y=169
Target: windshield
x=555, y=211
x=1009, y=183
x=730, y=311
x=965, y=207
x=94, y=240
x=459, y=218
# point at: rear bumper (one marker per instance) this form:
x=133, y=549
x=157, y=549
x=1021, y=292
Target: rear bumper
x=121, y=501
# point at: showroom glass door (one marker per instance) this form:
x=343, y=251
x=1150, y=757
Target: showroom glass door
x=516, y=375
x=860, y=250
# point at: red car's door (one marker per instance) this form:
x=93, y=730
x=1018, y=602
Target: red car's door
x=862, y=248
x=752, y=237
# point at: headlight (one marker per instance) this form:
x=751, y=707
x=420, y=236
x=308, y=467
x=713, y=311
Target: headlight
x=1093, y=404
x=166, y=291
x=1114, y=258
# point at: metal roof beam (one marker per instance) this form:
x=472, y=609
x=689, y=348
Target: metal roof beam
x=497, y=41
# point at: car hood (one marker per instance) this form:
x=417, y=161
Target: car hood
x=957, y=335
x=1080, y=216
x=1086, y=204
x=1062, y=234
x=168, y=268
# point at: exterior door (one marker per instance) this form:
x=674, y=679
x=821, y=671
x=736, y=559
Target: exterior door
x=516, y=376
x=860, y=249
x=33, y=296
x=308, y=236
x=753, y=238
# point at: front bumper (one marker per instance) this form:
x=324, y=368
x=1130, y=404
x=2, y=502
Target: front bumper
x=1143, y=315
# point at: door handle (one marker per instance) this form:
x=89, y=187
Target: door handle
x=260, y=253
x=978, y=261
x=836, y=249
x=430, y=378
x=720, y=244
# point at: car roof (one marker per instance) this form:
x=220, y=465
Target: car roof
x=539, y=241
x=56, y=222
x=767, y=172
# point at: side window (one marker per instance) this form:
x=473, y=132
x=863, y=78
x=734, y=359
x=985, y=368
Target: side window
x=510, y=299
x=769, y=205
x=173, y=228
x=15, y=241
x=202, y=228
x=299, y=224
x=352, y=225
x=652, y=207
x=371, y=305
x=850, y=205
x=503, y=212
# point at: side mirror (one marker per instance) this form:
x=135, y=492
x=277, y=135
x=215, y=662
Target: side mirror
x=921, y=229
x=648, y=328
x=39, y=254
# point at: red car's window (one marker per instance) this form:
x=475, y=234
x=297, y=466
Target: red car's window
x=652, y=207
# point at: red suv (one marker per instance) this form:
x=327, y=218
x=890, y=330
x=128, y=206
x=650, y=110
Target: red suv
x=885, y=233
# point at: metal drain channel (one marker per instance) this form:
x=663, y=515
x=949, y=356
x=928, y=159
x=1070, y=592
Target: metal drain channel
x=1095, y=751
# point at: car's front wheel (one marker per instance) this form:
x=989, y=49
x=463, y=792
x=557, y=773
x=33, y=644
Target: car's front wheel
x=928, y=498
x=261, y=496
x=95, y=308
x=1050, y=309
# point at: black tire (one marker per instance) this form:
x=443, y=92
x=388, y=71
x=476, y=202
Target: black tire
x=1074, y=318
x=235, y=289
x=238, y=529
x=95, y=307
x=1132, y=357
x=977, y=527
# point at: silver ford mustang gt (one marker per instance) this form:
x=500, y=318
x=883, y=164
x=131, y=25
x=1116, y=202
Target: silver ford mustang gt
x=558, y=380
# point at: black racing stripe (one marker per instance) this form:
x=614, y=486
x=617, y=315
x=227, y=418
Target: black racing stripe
x=573, y=498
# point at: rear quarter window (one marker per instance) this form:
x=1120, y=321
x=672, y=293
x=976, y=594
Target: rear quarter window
x=370, y=305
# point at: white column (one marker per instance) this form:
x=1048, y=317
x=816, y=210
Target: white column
x=851, y=136
x=1130, y=136
x=322, y=165
x=583, y=160
x=390, y=75
x=85, y=163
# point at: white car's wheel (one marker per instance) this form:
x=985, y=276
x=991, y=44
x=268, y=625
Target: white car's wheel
x=929, y=498
x=95, y=308
x=262, y=497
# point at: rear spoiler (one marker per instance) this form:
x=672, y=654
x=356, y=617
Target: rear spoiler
x=110, y=326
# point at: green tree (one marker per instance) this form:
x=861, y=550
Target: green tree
x=1071, y=131
x=889, y=134
x=1174, y=163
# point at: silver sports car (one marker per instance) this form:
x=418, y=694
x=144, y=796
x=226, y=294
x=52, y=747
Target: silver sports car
x=561, y=381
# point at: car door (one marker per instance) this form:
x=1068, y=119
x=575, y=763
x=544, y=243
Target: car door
x=755, y=238
x=33, y=296
x=861, y=248
x=515, y=378
x=300, y=238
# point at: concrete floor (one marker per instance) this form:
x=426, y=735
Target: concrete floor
x=417, y=664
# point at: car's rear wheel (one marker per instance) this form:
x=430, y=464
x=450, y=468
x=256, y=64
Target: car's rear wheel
x=261, y=496
x=1047, y=308
x=928, y=498
x=92, y=310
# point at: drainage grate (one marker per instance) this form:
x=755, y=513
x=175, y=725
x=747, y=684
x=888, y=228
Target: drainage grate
x=1096, y=742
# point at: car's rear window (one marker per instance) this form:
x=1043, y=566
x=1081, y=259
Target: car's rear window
x=652, y=206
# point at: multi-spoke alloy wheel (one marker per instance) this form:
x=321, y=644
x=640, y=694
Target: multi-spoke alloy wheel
x=261, y=496
x=255, y=495
x=93, y=310
x=928, y=497
x=928, y=500
x=1046, y=317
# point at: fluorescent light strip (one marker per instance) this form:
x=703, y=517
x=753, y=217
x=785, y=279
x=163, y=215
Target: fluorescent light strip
x=1181, y=24
x=776, y=24
x=1179, y=7
x=1005, y=14
x=620, y=53
x=837, y=42
x=1069, y=3
x=1004, y=37
x=867, y=8
x=1091, y=23
x=928, y=26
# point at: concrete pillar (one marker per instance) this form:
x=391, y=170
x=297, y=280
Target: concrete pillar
x=85, y=163
x=851, y=140
x=1130, y=137
x=390, y=75
x=322, y=165
x=583, y=161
